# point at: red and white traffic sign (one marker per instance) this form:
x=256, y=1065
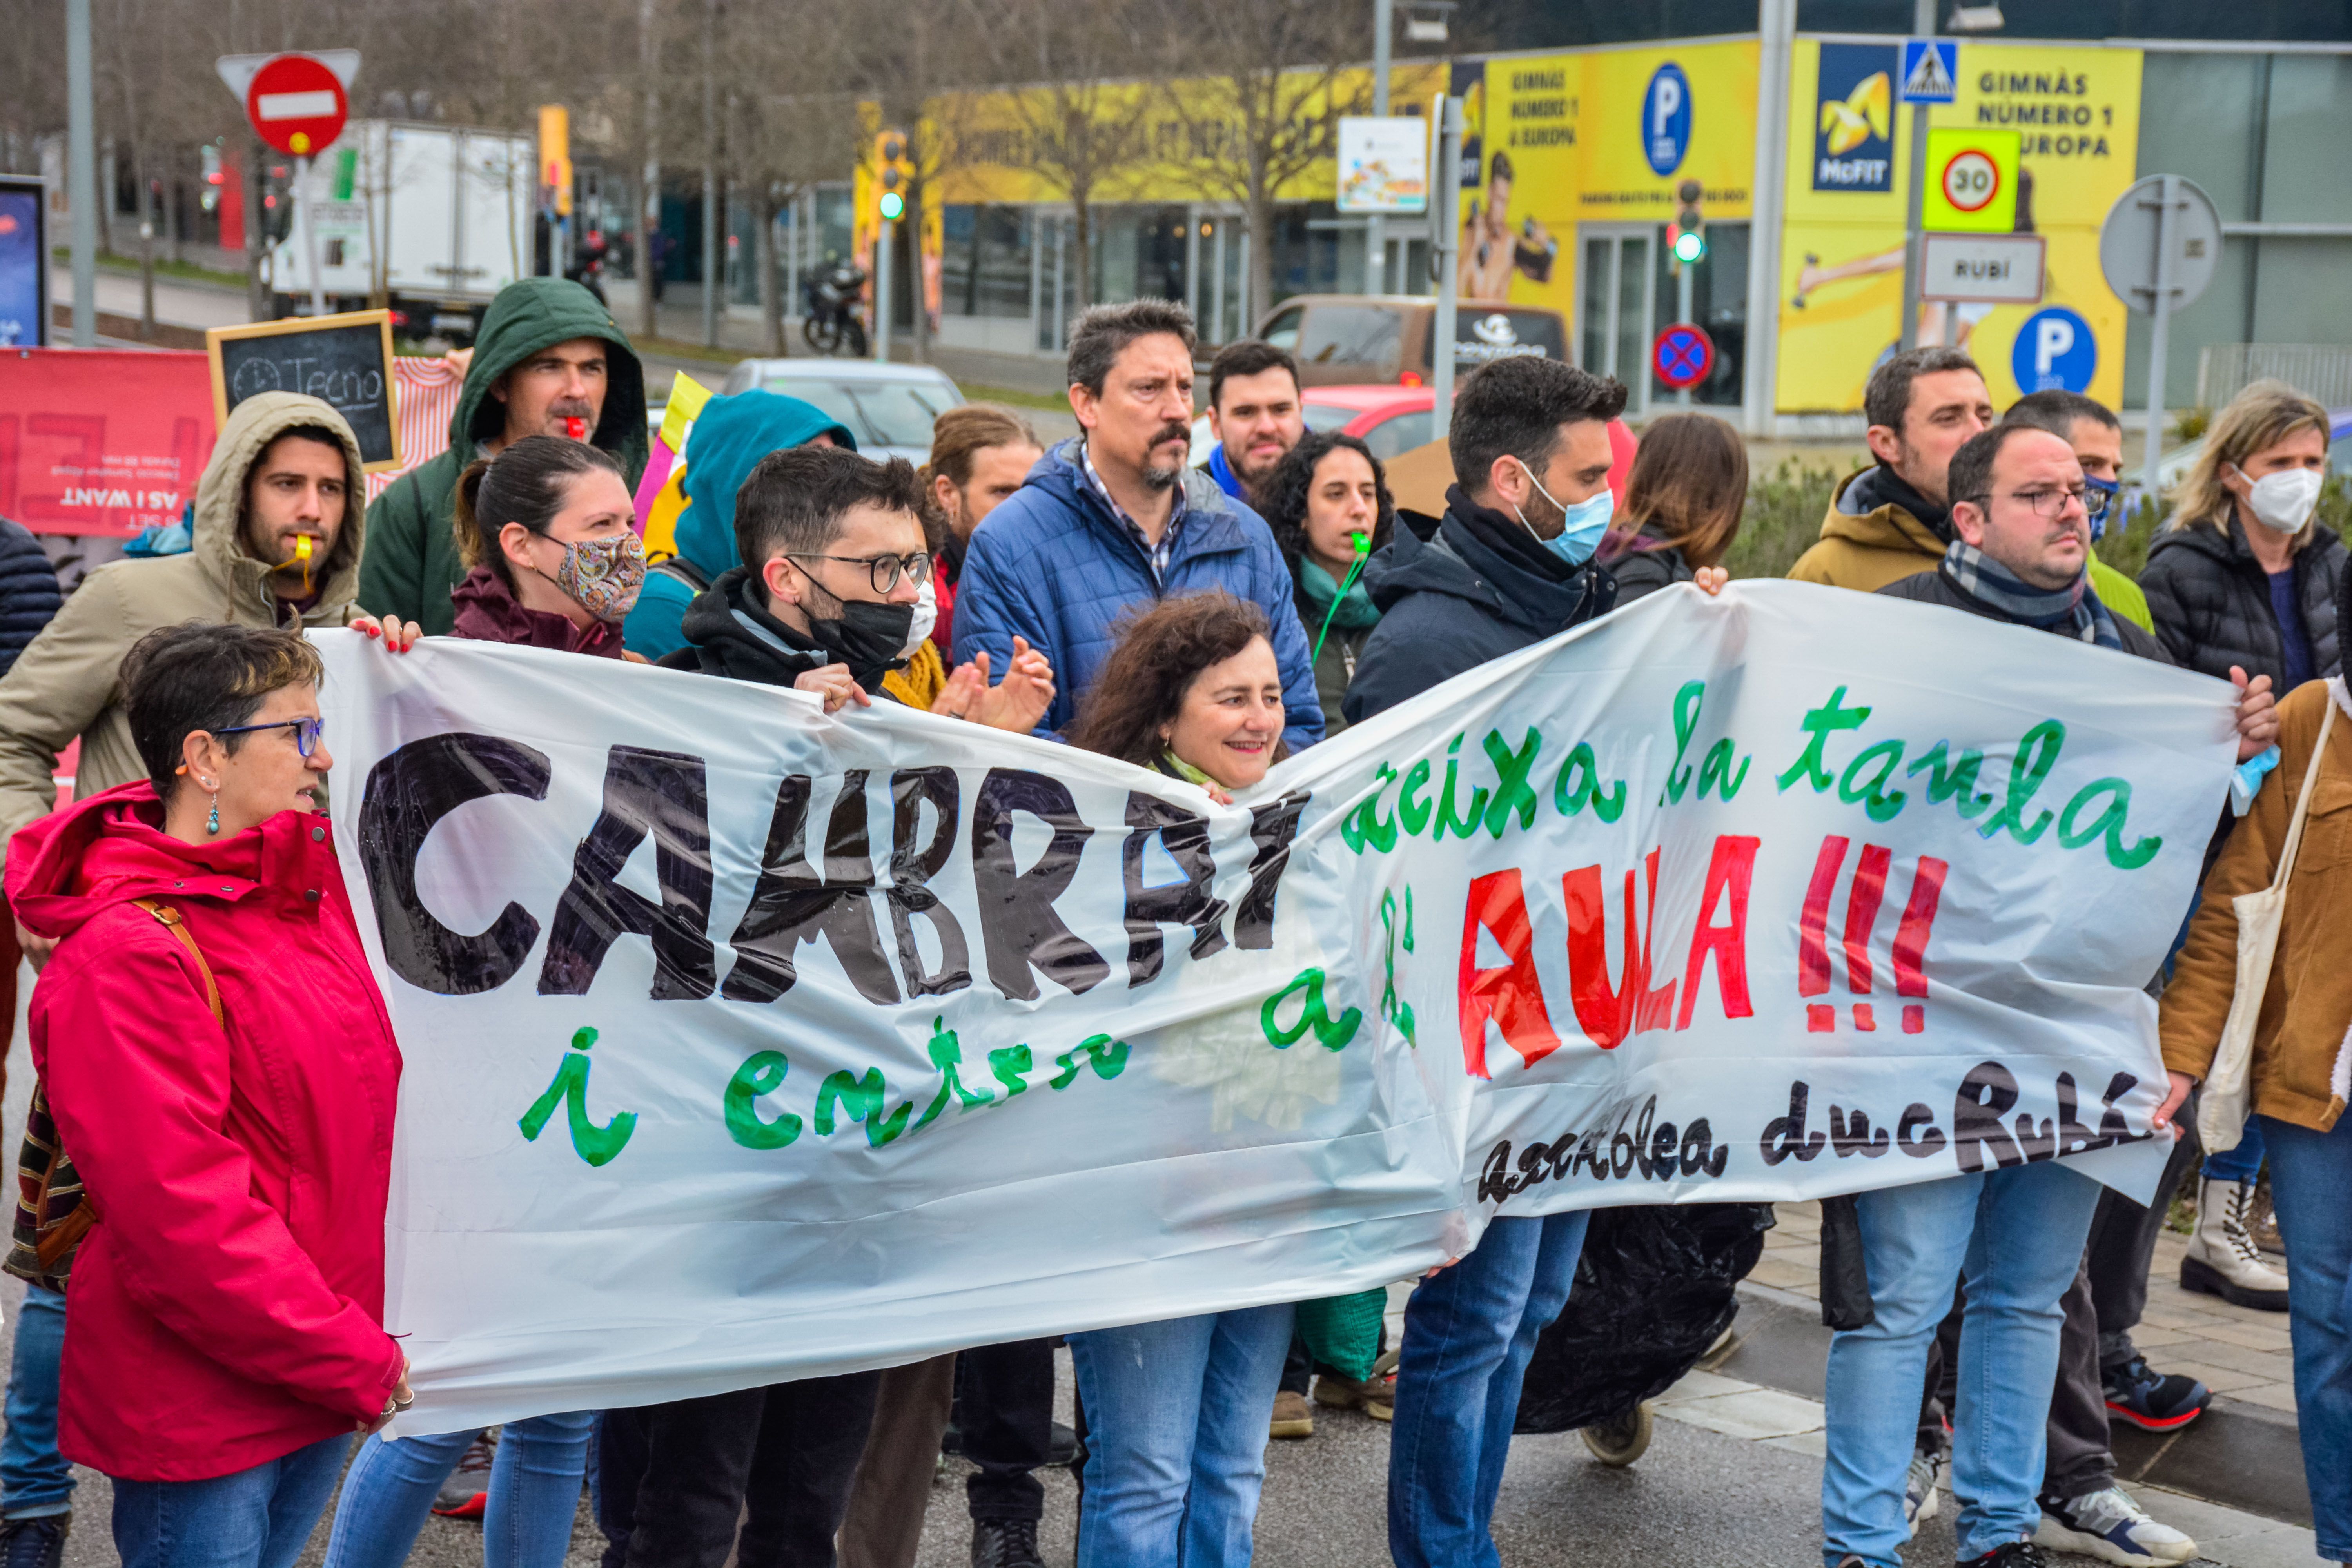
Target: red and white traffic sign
x=1972, y=180
x=297, y=104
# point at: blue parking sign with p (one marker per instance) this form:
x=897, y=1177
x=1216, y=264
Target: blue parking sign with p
x=2055, y=351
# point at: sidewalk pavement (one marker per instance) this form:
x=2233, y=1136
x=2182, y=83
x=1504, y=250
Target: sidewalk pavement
x=179, y=301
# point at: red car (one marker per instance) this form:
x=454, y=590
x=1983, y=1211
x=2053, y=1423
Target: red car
x=1394, y=420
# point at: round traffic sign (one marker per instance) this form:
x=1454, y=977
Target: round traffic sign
x=2128, y=242
x=297, y=104
x=2055, y=349
x=1972, y=180
x=1683, y=356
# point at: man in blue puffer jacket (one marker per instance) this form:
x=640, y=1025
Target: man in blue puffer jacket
x=1113, y=519
x=29, y=590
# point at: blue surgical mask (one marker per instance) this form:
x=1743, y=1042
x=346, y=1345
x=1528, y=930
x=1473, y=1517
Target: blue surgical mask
x=2101, y=495
x=1585, y=522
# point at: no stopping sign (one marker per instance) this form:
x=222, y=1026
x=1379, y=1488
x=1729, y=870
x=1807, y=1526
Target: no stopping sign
x=1683, y=356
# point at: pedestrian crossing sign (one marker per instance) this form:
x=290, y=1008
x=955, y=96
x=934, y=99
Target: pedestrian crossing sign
x=1931, y=71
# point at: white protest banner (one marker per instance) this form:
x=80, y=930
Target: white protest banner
x=745, y=1043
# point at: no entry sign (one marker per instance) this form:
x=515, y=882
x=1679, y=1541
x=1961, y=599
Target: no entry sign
x=1683, y=356
x=297, y=104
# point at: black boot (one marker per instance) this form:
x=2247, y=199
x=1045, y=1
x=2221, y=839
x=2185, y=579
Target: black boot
x=1004, y=1544
x=37, y=1543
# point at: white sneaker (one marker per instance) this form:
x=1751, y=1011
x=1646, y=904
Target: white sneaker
x=1920, y=1498
x=2109, y=1525
x=2222, y=1259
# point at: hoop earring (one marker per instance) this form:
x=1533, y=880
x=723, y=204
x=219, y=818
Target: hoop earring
x=211, y=823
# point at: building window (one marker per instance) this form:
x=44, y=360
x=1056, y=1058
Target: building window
x=984, y=261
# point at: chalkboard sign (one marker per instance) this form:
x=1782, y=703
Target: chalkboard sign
x=344, y=361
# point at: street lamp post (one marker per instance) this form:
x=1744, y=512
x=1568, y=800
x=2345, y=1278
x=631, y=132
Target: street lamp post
x=1443, y=239
x=81, y=174
x=1376, y=240
x=1922, y=25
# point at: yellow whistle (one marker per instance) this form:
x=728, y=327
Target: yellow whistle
x=302, y=547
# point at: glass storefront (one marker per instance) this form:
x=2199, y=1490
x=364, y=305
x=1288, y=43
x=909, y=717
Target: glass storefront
x=2261, y=134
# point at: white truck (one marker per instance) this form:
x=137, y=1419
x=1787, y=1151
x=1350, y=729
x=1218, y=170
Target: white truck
x=439, y=217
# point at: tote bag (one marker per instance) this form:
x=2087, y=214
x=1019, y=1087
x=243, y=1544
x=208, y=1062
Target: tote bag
x=2221, y=1107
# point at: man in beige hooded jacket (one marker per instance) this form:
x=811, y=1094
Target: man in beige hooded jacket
x=277, y=543
x=277, y=532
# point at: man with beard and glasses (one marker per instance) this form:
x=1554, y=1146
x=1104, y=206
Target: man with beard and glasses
x=548, y=360
x=1112, y=519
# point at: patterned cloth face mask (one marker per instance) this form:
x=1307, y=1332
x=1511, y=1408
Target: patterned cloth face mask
x=604, y=576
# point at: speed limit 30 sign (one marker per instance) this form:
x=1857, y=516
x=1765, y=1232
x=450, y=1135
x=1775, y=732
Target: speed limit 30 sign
x=1971, y=181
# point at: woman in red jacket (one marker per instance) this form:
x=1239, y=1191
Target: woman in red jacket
x=223, y=1073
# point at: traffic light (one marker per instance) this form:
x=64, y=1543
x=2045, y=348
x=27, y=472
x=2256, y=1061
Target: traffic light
x=1687, y=235
x=892, y=174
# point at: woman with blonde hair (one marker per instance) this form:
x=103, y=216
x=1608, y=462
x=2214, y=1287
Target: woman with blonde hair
x=1682, y=504
x=2245, y=580
x=2244, y=575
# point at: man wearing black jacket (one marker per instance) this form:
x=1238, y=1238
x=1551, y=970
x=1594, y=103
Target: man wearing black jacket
x=1509, y=565
x=2019, y=555
x=834, y=563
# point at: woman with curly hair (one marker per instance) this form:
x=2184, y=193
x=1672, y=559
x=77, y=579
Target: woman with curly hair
x=1329, y=504
x=1176, y=1411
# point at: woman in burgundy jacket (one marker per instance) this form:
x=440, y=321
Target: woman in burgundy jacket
x=223, y=1074
x=545, y=528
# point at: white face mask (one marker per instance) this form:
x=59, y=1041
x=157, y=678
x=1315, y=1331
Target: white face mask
x=927, y=615
x=2283, y=502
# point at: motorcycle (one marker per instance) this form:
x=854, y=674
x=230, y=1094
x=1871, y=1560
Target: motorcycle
x=830, y=323
x=587, y=268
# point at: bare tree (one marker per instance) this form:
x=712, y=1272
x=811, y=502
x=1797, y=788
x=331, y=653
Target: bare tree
x=1077, y=123
x=1265, y=112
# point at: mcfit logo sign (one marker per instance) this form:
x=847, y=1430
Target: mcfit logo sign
x=1853, y=119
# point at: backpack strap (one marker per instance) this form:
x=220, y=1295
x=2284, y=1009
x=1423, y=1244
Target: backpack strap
x=682, y=569
x=169, y=918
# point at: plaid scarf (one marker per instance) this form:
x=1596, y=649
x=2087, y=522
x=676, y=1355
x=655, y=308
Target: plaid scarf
x=2071, y=609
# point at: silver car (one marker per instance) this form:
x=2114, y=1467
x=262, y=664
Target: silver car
x=888, y=407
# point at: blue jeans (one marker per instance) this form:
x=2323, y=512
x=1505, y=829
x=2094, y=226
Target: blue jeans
x=35, y=1478
x=2310, y=1173
x=259, y=1518
x=2017, y=1234
x=1176, y=1429
x=534, y=1494
x=1469, y=1333
x=2242, y=1163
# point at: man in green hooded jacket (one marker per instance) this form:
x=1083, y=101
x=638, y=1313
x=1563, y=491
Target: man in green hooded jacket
x=548, y=360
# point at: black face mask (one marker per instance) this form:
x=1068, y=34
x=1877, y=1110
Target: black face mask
x=866, y=637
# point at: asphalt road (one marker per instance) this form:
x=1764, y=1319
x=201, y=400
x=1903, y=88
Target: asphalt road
x=1696, y=1498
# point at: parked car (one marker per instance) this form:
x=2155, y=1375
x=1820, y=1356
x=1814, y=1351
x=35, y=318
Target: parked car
x=1389, y=419
x=889, y=407
x=1343, y=339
